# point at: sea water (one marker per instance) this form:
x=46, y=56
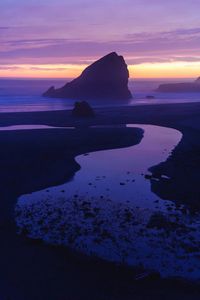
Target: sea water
x=26, y=95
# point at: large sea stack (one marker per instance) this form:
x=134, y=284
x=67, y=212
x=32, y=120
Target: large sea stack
x=185, y=87
x=105, y=79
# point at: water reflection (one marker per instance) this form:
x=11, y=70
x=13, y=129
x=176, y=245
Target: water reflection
x=107, y=210
x=29, y=127
x=118, y=174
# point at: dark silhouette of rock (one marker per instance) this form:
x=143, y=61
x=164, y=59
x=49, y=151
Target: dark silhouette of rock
x=185, y=87
x=106, y=78
x=82, y=109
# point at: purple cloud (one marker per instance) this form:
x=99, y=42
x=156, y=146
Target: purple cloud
x=79, y=31
x=180, y=44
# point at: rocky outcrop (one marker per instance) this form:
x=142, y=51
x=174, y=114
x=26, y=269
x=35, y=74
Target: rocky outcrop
x=185, y=87
x=82, y=109
x=105, y=79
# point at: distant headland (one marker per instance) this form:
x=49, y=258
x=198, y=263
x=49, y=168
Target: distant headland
x=105, y=79
x=185, y=87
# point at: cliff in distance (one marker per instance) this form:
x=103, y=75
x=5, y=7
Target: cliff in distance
x=185, y=87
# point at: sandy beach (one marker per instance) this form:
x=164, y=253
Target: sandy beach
x=37, y=159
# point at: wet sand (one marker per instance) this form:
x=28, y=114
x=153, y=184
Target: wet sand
x=31, y=270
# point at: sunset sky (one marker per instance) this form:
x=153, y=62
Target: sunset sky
x=58, y=38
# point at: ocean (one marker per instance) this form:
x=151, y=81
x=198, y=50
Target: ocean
x=23, y=95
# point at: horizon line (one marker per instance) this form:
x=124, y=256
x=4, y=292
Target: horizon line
x=71, y=78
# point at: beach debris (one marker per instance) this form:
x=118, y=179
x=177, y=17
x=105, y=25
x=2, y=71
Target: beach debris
x=148, y=275
x=164, y=244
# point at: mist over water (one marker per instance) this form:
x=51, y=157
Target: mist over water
x=26, y=95
x=18, y=95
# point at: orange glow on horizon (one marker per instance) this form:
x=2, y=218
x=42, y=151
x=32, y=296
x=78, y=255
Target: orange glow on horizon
x=166, y=70
x=145, y=70
x=41, y=71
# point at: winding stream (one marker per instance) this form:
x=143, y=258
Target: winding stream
x=118, y=174
x=105, y=211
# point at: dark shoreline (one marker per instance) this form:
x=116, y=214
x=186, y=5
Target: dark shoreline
x=156, y=114
x=35, y=271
